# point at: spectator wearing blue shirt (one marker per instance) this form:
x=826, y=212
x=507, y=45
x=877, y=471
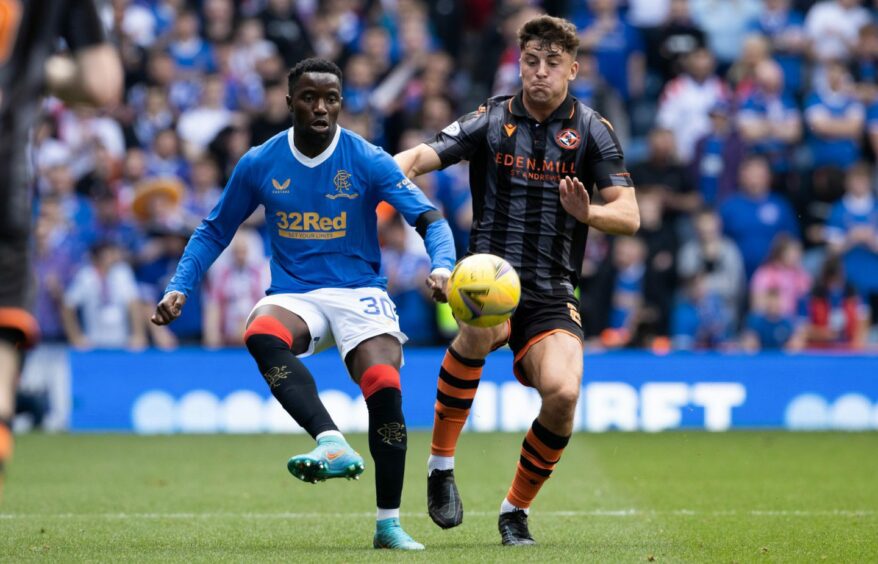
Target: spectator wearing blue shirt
x=770, y=123
x=753, y=217
x=785, y=29
x=165, y=157
x=618, y=47
x=726, y=23
x=77, y=210
x=835, y=120
x=701, y=319
x=192, y=54
x=864, y=65
x=769, y=329
x=872, y=126
x=629, y=261
x=110, y=226
x=359, y=84
x=852, y=231
x=718, y=155
x=590, y=88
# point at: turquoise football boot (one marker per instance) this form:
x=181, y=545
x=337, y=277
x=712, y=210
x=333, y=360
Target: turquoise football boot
x=332, y=458
x=389, y=534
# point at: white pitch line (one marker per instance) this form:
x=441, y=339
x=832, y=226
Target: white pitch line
x=360, y=515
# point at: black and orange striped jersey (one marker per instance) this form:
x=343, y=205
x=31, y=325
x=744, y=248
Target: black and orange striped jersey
x=516, y=166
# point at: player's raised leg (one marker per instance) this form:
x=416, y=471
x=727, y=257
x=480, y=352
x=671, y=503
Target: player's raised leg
x=458, y=382
x=274, y=337
x=374, y=364
x=554, y=367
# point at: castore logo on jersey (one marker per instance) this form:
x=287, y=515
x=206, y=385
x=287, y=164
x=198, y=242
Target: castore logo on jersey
x=280, y=188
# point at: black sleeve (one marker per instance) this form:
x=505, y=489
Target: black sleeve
x=460, y=140
x=604, y=155
x=82, y=27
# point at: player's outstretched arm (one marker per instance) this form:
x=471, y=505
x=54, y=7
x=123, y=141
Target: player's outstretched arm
x=401, y=193
x=618, y=216
x=418, y=160
x=169, y=308
x=237, y=202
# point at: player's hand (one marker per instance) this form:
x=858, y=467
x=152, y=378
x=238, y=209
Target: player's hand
x=574, y=198
x=438, y=282
x=169, y=308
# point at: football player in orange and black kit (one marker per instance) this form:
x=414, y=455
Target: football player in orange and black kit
x=91, y=74
x=534, y=160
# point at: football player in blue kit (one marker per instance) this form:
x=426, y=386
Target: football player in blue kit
x=320, y=185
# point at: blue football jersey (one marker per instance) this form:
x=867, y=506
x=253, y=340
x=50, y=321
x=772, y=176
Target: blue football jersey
x=320, y=213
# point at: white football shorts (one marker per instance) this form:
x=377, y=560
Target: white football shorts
x=344, y=317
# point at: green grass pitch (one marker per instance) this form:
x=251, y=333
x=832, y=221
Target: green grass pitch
x=676, y=497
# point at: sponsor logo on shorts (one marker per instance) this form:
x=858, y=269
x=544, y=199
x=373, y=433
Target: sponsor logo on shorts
x=574, y=314
x=311, y=225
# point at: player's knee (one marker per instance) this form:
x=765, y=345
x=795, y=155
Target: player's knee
x=562, y=400
x=477, y=342
x=266, y=331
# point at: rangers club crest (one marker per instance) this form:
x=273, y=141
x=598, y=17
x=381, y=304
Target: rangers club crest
x=343, y=186
x=392, y=432
x=568, y=139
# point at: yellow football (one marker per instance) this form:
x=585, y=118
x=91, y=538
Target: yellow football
x=483, y=290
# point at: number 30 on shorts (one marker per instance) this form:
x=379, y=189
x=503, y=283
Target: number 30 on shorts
x=379, y=306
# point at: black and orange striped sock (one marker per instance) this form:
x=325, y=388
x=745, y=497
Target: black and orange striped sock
x=540, y=452
x=456, y=388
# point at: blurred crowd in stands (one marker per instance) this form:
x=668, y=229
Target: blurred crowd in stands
x=750, y=129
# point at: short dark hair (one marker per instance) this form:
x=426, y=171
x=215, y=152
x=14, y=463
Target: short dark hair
x=314, y=64
x=754, y=158
x=549, y=31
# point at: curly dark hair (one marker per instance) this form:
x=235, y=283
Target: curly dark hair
x=549, y=30
x=314, y=64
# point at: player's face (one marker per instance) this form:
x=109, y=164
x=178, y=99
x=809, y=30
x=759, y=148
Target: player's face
x=546, y=71
x=315, y=103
